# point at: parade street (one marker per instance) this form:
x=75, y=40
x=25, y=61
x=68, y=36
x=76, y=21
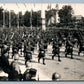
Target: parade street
x=69, y=69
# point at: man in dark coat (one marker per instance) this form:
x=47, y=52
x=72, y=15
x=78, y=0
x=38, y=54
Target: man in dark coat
x=41, y=54
x=69, y=48
x=56, y=51
x=28, y=54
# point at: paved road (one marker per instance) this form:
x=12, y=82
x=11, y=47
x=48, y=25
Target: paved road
x=69, y=69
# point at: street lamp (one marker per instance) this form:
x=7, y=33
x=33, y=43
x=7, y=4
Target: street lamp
x=3, y=15
x=18, y=18
x=43, y=17
x=3, y=18
x=9, y=19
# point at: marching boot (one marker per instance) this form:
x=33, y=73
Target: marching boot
x=38, y=60
x=79, y=53
x=53, y=57
x=65, y=54
x=59, y=58
x=71, y=56
x=43, y=61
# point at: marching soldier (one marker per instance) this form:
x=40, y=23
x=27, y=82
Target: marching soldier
x=45, y=45
x=69, y=48
x=56, y=51
x=41, y=54
x=28, y=54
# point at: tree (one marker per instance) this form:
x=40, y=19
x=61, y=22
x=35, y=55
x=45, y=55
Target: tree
x=13, y=19
x=6, y=18
x=20, y=19
x=1, y=16
x=36, y=18
x=26, y=19
x=39, y=21
x=49, y=14
x=65, y=14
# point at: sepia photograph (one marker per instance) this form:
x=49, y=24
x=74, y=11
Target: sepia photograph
x=41, y=42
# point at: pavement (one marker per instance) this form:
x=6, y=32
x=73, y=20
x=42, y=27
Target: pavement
x=69, y=69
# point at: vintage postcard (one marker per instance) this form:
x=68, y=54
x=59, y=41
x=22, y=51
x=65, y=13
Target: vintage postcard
x=41, y=42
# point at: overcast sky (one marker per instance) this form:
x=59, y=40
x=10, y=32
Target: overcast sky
x=78, y=8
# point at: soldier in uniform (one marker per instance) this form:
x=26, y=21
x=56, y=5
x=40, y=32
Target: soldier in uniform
x=41, y=54
x=28, y=54
x=56, y=50
x=45, y=44
x=69, y=48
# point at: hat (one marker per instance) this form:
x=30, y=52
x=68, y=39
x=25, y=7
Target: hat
x=56, y=76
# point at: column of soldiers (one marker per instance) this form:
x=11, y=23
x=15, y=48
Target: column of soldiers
x=13, y=68
x=29, y=41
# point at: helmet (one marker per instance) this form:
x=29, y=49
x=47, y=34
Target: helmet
x=56, y=76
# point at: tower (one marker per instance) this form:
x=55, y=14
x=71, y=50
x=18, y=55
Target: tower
x=57, y=17
x=43, y=17
x=9, y=19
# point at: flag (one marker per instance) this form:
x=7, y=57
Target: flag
x=48, y=6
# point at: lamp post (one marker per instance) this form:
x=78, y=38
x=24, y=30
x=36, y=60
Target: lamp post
x=43, y=17
x=17, y=18
x=9, y=19
x=18, y=21
x=3, y=18
x=31, y=19
x=57, y=18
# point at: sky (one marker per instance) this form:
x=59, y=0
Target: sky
x=78, y=8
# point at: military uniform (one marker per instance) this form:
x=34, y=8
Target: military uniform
x=56, y=51
x=28, y=54
x=69, y=48
x=41, y=53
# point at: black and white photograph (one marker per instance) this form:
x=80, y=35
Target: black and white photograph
x=41, y=42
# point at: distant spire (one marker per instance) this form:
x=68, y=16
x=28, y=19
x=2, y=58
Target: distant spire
x=57, y=17
x=57, y=7
x=49, y=6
